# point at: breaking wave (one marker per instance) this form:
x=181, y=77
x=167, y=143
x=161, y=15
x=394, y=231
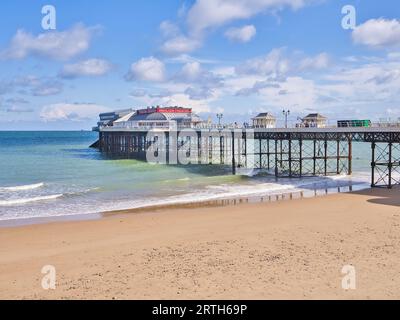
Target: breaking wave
x=23, y=187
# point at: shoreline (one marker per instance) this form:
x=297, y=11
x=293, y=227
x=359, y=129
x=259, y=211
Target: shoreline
x=285, y=249
x=283, y=195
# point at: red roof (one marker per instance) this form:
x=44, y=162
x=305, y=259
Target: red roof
x=164, y=110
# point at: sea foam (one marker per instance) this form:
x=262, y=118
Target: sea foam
x=23, y=187
x=28, y=200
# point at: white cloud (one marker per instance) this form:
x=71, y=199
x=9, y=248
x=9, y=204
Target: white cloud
x=206, y=14
x=378, y=33
x=320, y=61
x=278, y=64
x=71, y=111
x=193, y=73
x=169, y=29
x=47, y=88
x=59, y=45
x=19, y=109
x=199, y=93
x=89, y=68
x=243, y=34
x=274, y=64
x=180, y=44
x=211, y=14
x=138, y=93
x=147, y=69
x=182, y=99
x=37, y=86
x=257, y=87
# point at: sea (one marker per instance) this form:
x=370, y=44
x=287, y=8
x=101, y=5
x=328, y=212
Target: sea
x=56, y=174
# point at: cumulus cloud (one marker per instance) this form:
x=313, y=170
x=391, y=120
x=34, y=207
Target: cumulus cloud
x=47, y=88
x=212, y=14
x=169, y=29
x=86, y=68
x=17, y=105
x=58, y=45
x=320, y=61
x=180, y=44
x=243, y=34
x=273, y=64
x=378, y=33
x=137, y=93
x=19, y=109
x=206, y=14
x=146, y=69
x=192, y=72
x=71, y=111
x=199, y=93
x=277, y=65
x=255, y=89
x=385, y=77
x=36, y=86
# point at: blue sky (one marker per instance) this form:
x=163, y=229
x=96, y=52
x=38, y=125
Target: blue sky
x=238, y=57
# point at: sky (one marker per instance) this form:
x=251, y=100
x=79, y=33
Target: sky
x=61, y=67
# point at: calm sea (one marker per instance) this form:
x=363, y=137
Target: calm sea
x=48, y=174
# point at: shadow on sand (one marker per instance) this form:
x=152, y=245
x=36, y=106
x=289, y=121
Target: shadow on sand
x=383, y=196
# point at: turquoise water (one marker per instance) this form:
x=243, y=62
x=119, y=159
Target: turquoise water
x=46, y=174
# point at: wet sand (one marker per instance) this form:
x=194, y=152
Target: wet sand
x=275, y=250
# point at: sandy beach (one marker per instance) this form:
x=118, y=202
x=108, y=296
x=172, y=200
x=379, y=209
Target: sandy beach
x=288, y=249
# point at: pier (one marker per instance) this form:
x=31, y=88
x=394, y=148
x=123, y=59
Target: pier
x=289, y=152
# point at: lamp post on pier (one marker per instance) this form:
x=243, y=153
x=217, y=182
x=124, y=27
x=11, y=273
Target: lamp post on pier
x=286, y=113
x=219, y=116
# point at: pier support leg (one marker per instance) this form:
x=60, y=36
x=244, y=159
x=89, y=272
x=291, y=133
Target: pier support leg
x=300, y=158
x=350, y=163
x=260, y=150
x=276, y=159
x=373, y=165
x=390, y=166
x=385, y=164
x=233, y=154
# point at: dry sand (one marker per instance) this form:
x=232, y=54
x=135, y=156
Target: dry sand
x=289, y=249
